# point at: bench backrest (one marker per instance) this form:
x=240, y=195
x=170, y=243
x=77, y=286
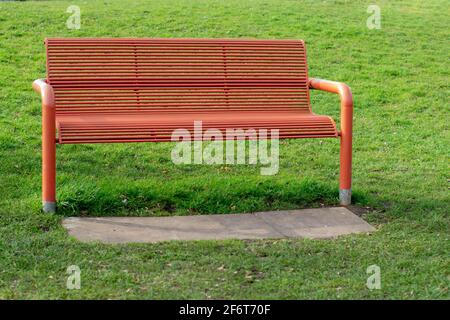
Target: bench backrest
x=172, y=75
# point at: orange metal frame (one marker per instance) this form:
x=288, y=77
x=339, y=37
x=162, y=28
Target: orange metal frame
x=139, y=90
x=346, y=134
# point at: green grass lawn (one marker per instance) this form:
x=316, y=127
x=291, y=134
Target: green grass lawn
x=399, y=76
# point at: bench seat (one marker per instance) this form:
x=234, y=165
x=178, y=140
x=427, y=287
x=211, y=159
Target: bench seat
x=158, y=127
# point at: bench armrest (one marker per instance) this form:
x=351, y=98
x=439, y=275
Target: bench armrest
x=346, y=102
x=335, y=87
x=48, y=118
x=46, y=92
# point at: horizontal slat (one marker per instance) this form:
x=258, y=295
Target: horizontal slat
x=230, y=64
x=175, y=73
x=89, y=112
x=170, y=41
x=117, y=84
x=174, y=90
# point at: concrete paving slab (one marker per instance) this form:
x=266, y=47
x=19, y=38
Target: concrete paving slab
x=304, y=223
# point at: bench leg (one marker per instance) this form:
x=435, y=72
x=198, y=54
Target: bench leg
x=345, y=180
x=48, y=162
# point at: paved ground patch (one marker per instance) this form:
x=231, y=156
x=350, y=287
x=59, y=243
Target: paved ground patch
x=305, y=223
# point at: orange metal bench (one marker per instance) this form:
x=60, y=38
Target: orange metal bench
x=140, y=90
